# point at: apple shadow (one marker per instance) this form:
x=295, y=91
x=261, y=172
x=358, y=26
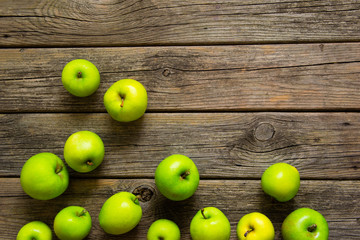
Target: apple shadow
x=276, y=211
x=74, y=104
x=125, y=131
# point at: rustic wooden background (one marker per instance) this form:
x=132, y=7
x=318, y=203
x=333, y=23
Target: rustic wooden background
x=234, y=85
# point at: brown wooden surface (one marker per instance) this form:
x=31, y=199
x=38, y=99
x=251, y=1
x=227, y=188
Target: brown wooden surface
x=172, y=22
x=235, y=85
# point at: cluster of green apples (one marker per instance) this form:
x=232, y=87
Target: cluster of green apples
x=282, y=182
x=44, y=176
x=177, y=178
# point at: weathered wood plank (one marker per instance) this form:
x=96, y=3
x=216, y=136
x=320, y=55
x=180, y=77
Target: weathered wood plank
x=149, y=22
x=234, y=197
x=236, y=78
x=223, y=145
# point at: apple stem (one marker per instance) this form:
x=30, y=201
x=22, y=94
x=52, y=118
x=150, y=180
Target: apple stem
x=79, y=75
x=248, y=231
x=203, y=214
x=82, y=213
x=137, y=197
x=58, y=168
x=185, y=174
x=122, y=102
x=90, y=163
x=312, y=228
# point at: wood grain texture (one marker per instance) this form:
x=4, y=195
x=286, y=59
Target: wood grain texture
x=234, y=197
x=234, y=85
x=223, y=145
x=216, y=78
x=155, y=22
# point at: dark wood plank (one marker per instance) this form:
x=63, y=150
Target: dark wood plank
x=149, y=22
x=236, y=78
x=223, y=145
x=234, y=197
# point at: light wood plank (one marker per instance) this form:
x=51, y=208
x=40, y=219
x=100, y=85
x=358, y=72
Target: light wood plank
x=149, y=22
x=223, y=145
x=234, y=197
x=222, y=78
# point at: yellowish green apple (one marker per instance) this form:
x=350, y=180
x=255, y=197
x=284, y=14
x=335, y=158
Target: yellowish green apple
x=305, y=224
x=281, y=181
x=80, y=77
x=44, y=176
x=255, y=226
x=126, y=100
x=72, y=223
x=177, y=177
x=35, y=230
x=84, y=151
x=163, y=229
x=210, y=223
x=120, y=213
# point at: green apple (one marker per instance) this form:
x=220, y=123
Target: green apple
x=211, y=224
x=126, y=100
x=84, y=151
x=281, y=181
x=305, y=224
x=72, y=223
x=163, y=229
x=177, y=177
x=35, y=230
x=44, y=176
x=120, y=213
x=80, y=77
x=255, y=226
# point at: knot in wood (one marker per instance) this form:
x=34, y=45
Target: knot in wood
x=144, y=192
x=264, y=132
x=166, y=72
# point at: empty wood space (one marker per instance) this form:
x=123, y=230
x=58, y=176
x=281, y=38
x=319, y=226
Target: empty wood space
x=172, y=22
x=234, y=85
